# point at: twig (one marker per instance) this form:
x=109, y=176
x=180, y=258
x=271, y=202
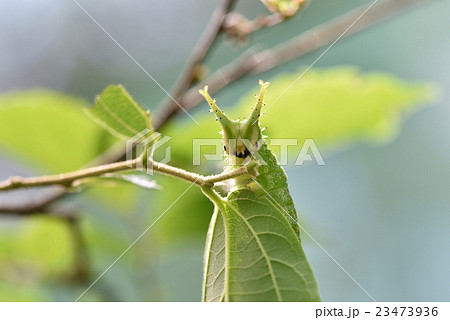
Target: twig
x=294, y=48
x=42, y=202
x=328, y=32
x=197, y=55
x=238, y=68
x=81, y=265
x=236, y=25
x=65, y=179
x=179, y=173
x=39, y=205
x=227, y=175
x=71, y=178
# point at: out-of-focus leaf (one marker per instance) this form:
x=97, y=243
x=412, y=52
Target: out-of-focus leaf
x=50, y=130
x=108, y=235
x=340, y=106
x=179, y=223
x=39, y=244
x=139, y=179
x=335, y=107
x=116, y=111
x=14, y=292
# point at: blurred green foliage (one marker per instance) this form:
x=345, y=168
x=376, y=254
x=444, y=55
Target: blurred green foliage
x=336, y=107
x=49, y=130
x=34, y=253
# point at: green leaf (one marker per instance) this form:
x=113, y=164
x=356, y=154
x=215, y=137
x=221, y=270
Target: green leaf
x=49, y=130
x=253, y=253
x=340, y=106
x=38, y=246
x=116, y=111
x=139, y=179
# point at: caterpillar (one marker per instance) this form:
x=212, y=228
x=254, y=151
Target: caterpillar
x=253, y=250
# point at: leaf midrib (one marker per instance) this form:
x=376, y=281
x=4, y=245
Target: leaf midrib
x=263, y=251
x=115, y=116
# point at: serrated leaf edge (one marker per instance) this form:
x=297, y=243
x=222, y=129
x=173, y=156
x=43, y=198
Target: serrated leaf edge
x=107, y=127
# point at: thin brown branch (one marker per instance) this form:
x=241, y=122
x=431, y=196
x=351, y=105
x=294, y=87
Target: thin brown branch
x=227, y=175
x=221, y=78
x=179, y=173
x=328, y=32
x=198, y=54
x=71, y=178
x=81, y=266
x=294, y=48
x=200, y=180
x=239, y=27
x=65, y=179
x=39, y=203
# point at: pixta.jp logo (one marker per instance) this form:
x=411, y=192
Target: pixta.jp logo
x=147, y=142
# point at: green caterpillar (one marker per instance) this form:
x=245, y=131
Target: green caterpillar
x=253, y=250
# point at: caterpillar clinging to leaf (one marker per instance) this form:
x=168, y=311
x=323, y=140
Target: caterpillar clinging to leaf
x=253, y=251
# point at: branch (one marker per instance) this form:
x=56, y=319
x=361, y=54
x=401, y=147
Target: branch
x=254, y=63
x=41, y=204
x=328, y=32
x=237, y=26
x=198, y=54
x=81, y=265
x=73, y=178
x=65, y=179
x=241, y=171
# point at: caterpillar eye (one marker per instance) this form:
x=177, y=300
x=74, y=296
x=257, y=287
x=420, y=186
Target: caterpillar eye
x=224, y=148
x=242, y=155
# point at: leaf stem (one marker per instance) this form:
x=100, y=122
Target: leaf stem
x=214, y=197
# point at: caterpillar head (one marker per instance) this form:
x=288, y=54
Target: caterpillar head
x=239, y=136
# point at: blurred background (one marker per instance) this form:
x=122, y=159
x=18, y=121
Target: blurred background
x=381, y=210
